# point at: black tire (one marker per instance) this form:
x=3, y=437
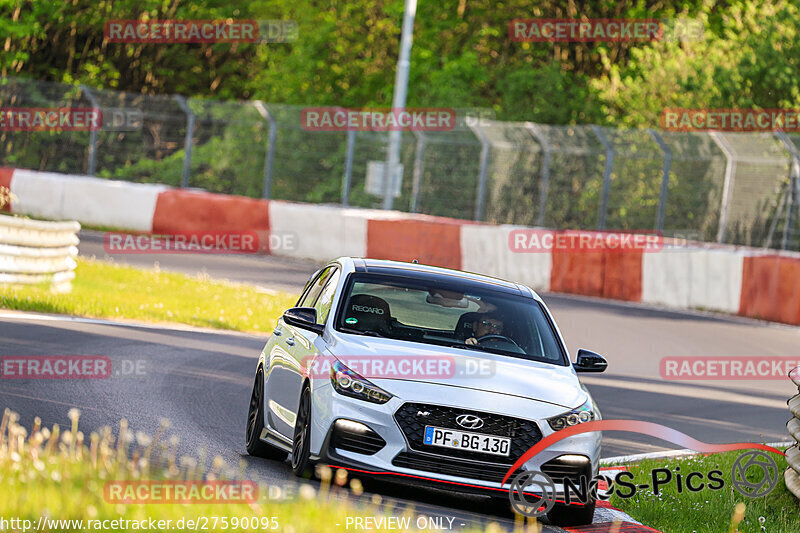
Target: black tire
x=571, y=515
x=301, y=441
x=500, y=506
x=255, y=424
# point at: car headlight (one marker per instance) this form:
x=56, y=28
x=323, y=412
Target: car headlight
x=584, y=413
x=348, y=383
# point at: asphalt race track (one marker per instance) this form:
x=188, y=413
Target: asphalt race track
x=266, y=270
x=201, y=380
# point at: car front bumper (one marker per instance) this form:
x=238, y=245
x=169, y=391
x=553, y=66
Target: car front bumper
x=404, y=459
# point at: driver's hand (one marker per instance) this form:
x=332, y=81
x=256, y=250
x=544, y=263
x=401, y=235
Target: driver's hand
x=471, y=340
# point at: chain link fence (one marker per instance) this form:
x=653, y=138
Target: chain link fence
x=741, y=188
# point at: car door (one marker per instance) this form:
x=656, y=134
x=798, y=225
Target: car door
x=309, y=344
x=292, y=349
x=284, y=378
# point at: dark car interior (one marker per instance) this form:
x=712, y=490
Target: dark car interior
x=372, y=315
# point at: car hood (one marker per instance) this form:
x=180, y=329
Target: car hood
x=453, y=367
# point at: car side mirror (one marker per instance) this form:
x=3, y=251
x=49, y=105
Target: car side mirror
x=590, y=362
x=303, y=317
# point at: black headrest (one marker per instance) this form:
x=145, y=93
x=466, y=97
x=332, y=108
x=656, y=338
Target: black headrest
x=464, y=326
x=370, y=312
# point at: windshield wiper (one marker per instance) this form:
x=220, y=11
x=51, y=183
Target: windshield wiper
x=367, y=332
x=479, y=348
x=465, y=346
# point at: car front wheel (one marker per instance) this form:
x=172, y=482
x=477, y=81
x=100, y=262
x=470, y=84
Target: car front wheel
x=570, y=515
x=301, y=444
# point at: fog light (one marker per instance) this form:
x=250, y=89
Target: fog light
x=572, y=459
x=352, y=426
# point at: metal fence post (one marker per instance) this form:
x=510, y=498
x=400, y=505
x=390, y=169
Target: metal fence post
x=187, y=144
x=792, y=197
x=544, y=184
x=419, y=162
x=269, y=157
x=662, y=198
x=727, y=187
x=795, y=206
x=348, y=167
x=484, y=168
x=601, y=219
x=92, y=163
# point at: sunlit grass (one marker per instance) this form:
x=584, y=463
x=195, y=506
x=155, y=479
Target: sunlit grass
x=60, y=474
x=105, y=290
x=710, y=511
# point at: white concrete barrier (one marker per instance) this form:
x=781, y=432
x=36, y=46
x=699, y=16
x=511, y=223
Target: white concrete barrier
x=716, y=280
x=115, y=204
x=323, y=232
x=686, y=278
x=38, y=194
x=485, y=250
x=705, y=276
x=93, y=201
x=666, y=278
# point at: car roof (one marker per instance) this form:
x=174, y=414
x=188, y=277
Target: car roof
x=438, y=274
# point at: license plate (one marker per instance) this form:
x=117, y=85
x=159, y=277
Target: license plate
x=466, y=440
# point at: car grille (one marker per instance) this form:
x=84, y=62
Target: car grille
x=367, y=443
x=523, y=433
x=453, y=467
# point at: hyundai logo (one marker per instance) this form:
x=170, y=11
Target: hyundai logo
x=469, y=421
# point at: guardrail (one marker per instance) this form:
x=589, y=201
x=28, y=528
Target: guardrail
x=792, y=474
x=35, y=251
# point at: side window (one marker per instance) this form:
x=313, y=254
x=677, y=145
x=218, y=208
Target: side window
x=316, y=287
x=323, y=305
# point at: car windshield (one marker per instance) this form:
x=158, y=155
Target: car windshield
x=473, y=319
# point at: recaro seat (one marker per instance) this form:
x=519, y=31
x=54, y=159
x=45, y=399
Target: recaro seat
x=371, y=313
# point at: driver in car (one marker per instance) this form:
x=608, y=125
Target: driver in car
x=488, y=325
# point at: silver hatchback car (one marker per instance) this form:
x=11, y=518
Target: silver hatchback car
x=423, y=375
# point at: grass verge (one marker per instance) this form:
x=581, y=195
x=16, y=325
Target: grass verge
x=106, y=290
x=60, y=476
x=709, y=511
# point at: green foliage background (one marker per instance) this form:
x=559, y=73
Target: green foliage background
x=462, y=57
